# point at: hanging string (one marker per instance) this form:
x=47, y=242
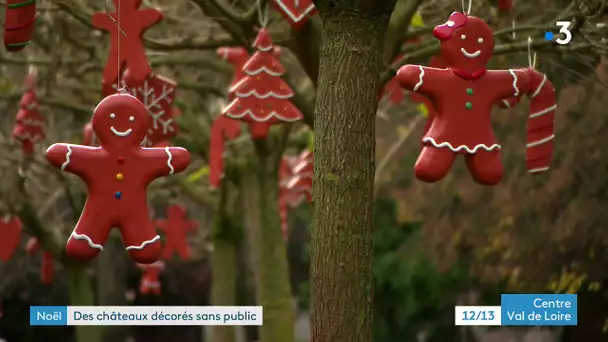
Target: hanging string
x=513, y=28
x=262, y=13
x=531, y=57
x=468, y=11
x=120, y=89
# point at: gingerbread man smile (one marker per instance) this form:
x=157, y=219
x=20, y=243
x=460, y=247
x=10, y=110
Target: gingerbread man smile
x=121, y=133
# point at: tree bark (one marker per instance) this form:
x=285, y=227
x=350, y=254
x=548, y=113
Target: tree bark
x=272, y=284
x=81, y=294
x=112, y=283
x=224, y=263
x=351, y=60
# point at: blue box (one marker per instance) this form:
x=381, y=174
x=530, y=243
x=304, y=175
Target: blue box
x=49, y=315
x=539, y=309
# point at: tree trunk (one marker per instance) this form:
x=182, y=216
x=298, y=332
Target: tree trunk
x=223, y=264
x=343, y=188
x=81, y=294
x=268, y=247
x=112, y=283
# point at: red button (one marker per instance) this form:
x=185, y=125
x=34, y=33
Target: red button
x=121, y=160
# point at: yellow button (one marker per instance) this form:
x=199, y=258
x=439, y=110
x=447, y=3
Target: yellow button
x=119, y=176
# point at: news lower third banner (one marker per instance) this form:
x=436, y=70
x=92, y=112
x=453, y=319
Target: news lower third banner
x=145, y=315
x=522, y=310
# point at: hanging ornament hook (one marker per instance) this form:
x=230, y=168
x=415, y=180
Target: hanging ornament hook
x=470, y=7
x=531, y=57
x=262, y=13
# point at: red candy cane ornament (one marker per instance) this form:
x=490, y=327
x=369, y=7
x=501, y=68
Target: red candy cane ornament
x=303, y=173
x=223, y=127
x=150, y=278
x=287, y=198
x=176, y=228
x=10, y=236
x=47, y=267
x=19, y=22
x=296, y=12
x=463, y=96
x=262, y=98
x=29, y=125
x=133, y=22
x=117, y=175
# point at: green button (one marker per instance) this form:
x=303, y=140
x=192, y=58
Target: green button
x=470, y=91
x=469, y=105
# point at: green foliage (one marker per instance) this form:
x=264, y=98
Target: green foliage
x=411, y=294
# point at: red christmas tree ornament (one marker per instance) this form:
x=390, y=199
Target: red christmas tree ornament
x=296, y=12
x=88, y=136
x=126, y=27
x=150, y=278
x=19, y=23
x=47, y=267
x=29, y=126
x=462, y=122
x=176, y=228
x=11, y=228
x=117, y=175
x=157, y=93
x=237, y=57
x=262, y=97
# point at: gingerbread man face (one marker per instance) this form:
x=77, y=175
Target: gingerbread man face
x=122, y=121
x=467, y=42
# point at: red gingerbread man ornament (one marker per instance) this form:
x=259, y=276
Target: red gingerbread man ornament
x=463, y=96
x=133, y=22
x=10, y=236
x=47, y=268
x=150, y=278
x=176, y=228
x=117, y=175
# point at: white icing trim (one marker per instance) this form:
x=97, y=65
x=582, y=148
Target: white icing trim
x=31, y=122
x=540, y=87
x=541, y=141
x=68, y=159
x=270, y=94
x=539, y=170
x=506, y=103
x=293, y=16
x=84, y=237
x=153, y=284
x=515, y=79
x=462, y=147
x=169, y=159
x=249, y=113
x=144, y=244
x=420, y=78
x=265, y=48
x=263, y=69
x=543, y=112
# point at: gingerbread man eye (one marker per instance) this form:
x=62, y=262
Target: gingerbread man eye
x=131, y=118
x=480, y=40
x=463, y=37
x=112, y=116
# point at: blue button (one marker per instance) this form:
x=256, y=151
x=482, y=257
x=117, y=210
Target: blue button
x=539, y=309
x=48, y=315
x=118, y=194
